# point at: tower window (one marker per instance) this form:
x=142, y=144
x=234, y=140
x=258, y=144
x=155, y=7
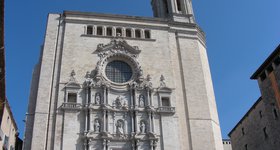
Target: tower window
x=137, y=33
x=89, y=30
x=72, y=98
x=99, y=30
x=128, y=33
x=165, y=101
x=243, y=131
x=147, y=34
x=265, y=133
x=275, y=113
x=269, y=69
x=263, y=76
x=119, y=31
x=179, y=5
x=260, y=112
x=277, y=61
x=109, y=31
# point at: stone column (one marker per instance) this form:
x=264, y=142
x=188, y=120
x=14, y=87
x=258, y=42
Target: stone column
x=104, y=120
x=153, y=122
x=132, y=121
x=136, y=122
x=104, y=95
x=150, y=122
x=148, y=97
x=135, y=99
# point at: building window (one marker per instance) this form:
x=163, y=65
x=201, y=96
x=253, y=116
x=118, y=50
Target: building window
x=89, y=30
x=165, y=101
x=246, y=147
x=118, y=71
x=263, y=76
x=277, y=61
x=72, y=98
x=119, y=31
x=243, y=131
x=147, y=34
x=109, y=31
x=99, y=30
x=265, y=133
x=275, y=113
x=269, y=69
x=138, y=33
x=128, y=33
x=260, y=112
x=179, y=5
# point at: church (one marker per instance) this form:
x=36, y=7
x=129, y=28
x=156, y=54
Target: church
x=117, y=82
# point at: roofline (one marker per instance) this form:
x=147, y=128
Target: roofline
x=247, y=114
x=11, y=113
x=266, y=63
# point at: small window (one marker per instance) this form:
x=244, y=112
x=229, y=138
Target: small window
x=265, y=133
x=243, y=131
x=147, y=34
x=246, y=147
x=99, y=30
x=138, y=33
x=89, y=30
x=109, y=31
x=275, y=113
x=277, y=61
x=119, y=31
x=269, y=69
x=128, y=33
x=179, y=5
x=261, y=115
x=165, y=3
x=263, y=76
x=72, y=97
x=165, y=101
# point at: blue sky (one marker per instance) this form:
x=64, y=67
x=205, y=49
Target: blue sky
x=240, y=35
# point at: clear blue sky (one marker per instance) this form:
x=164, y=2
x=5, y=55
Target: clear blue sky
x=240, y=35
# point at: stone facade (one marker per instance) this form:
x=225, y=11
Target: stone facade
x=259, y=128
x=9, y=132
x=163, y=100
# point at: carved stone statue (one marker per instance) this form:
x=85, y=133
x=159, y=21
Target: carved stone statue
x=97, y=98
x=141, y=101
x=119, y=126
x=96, y=126
x=118, y=102
x=142, y=127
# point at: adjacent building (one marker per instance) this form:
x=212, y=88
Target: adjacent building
x=259, y=128
x=116, y=82
x=9, y=130
x=227, y=144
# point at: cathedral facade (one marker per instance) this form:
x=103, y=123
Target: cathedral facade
x=115, y=82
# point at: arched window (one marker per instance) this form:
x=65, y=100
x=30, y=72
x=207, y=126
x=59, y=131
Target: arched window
x=109, y=31
x=179, y=5
x=119, y=31
x=128, y=33
x=147, y=34
x=99, y=30
x=138, y=33
x=89, y=30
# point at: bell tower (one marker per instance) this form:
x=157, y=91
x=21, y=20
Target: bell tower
x=176, y=10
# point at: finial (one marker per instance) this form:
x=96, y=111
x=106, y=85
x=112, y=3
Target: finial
x=72, y=76
x=162, y=81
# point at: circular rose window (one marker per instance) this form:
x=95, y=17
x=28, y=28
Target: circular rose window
x=118, y=71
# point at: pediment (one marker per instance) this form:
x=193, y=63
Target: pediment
x=73, y=84
x=165, y=89
x=118, y=44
